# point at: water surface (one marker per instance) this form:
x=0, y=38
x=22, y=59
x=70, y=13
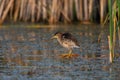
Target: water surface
x=29, y=53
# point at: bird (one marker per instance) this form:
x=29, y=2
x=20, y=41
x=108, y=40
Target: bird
x=67, y=40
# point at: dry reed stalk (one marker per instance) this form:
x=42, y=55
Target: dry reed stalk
x=59, y=10
x=11, y=10
x=71, y=9
x=55, y=11
x=51, y=20
x=81, y=10
x=49, y=7
x=6, y=2
x=66, y=11
x=103, y=7
x=44, y=9
x=17, y=9
x=27, y=10
x=38, y=10
x=32, y=5
x=2, y=6
x=90, y=8
x=52, y=16
x=86, y=15
x=101, y=10
x=22, y=8
x=66, y=18
x=6, y=11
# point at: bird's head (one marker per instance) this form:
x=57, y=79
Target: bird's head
x=57, y=35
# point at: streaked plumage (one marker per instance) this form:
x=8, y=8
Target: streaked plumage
x=66, y=40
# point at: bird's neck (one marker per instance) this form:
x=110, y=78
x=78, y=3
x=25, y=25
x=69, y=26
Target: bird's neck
x=59, y=40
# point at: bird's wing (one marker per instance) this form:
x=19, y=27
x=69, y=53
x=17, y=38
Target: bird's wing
x=68, y=37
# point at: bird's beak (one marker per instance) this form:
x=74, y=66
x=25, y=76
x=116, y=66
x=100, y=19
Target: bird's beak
x=53, y=37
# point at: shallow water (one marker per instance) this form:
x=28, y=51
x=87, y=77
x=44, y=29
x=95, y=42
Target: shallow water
x=30, y=54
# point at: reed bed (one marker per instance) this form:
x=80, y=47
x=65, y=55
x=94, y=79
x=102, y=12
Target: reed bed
x=53, y=11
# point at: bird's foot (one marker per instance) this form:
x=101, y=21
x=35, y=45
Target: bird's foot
x=67, y=55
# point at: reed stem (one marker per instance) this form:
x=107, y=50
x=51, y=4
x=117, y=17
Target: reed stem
x=118, y=5
x=110, y=38
x=119, y=35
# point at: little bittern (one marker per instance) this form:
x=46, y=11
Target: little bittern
x=67, y=41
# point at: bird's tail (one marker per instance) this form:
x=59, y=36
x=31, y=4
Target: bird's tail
x=77, y=46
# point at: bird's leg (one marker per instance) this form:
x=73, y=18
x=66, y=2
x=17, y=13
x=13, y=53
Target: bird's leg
x=70, y=53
